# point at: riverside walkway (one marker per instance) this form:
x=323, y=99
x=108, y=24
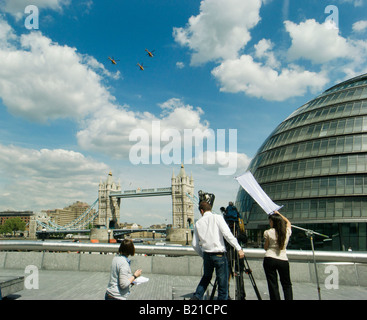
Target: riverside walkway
x=87, y=285
x=173, y=272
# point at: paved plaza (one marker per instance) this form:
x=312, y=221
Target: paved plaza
x=80, y=285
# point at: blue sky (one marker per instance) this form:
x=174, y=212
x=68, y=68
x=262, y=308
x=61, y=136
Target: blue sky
x=66, y=112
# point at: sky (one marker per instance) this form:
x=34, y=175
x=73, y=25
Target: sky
x=231, y=70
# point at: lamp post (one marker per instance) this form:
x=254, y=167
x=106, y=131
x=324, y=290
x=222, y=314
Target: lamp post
x=44, y=234
x=310, y=234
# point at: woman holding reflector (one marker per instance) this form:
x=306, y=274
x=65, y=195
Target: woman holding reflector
x=276, y=239
x=276, y=260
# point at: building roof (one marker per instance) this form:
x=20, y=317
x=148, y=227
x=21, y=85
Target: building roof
x=16, y=213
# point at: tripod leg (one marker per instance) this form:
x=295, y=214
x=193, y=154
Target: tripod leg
x=214, y=289
x=235, y=264
x=239, y=280
x=230, y=258
x=249, y=272
x=240, y=287
x=241, y=284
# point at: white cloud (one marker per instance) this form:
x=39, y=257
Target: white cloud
x=109, y=129
x=230, y=163
x=263, y=49
x=316, y=42
x=118, y=132
x=261, y=81
x=325, y=46
x=269, y=80
x=360, y=26
x=358, y=65
x=42, y=80
x=16, y=7
x=46, y=179
x=265, y=72
x=180, y=65
x=175, y=114
x=220, y=30
x=7, y=35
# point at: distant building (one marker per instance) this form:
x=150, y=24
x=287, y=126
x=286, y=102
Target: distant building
x=68, y=214
x=134, y=225
x=315, y=165
x=158, y=226
x=25, y=216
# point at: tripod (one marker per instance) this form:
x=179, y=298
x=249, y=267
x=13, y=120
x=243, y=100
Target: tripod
x=240, y=290
x=310, y=234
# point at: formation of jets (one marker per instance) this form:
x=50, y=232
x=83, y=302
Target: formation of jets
x=140, y=65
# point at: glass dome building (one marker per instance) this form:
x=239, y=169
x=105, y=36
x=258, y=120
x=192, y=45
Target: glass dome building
x=315, y=165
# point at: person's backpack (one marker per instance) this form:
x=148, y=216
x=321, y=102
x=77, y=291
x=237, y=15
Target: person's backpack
x=231, y=214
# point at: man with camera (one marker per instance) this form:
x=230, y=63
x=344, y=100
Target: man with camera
x=208, y=241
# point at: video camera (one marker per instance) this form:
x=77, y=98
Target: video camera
x=207, y=197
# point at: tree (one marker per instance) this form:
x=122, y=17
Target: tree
x=13, y=225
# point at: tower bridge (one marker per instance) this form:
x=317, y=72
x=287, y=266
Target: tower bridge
x=105, y=211
x=110, y=196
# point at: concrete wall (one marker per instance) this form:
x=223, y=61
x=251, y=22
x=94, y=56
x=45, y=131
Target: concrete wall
x=348, y=273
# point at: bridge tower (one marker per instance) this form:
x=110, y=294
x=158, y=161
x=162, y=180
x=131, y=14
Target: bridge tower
x=109, y=207
x=182, y=206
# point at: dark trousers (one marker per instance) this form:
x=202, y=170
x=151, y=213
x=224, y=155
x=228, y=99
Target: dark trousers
x=272, y=267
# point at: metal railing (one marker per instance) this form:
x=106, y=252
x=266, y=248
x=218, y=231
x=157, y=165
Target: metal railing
x=172, y=250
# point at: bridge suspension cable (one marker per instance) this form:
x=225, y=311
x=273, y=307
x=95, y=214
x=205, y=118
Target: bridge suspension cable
x=80, y=222
x=81, y=217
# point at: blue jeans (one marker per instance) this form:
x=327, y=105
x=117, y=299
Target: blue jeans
x=219, y=263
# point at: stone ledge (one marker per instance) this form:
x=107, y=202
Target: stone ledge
x=352, y=274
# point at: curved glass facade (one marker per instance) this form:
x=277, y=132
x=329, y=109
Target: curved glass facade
x=315, y=164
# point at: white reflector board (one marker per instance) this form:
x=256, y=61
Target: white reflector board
x=249, y=183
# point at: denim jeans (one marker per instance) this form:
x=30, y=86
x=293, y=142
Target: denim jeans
x=219, y=263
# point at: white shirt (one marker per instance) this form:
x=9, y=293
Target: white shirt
x=273, y=250
x=209, y=232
